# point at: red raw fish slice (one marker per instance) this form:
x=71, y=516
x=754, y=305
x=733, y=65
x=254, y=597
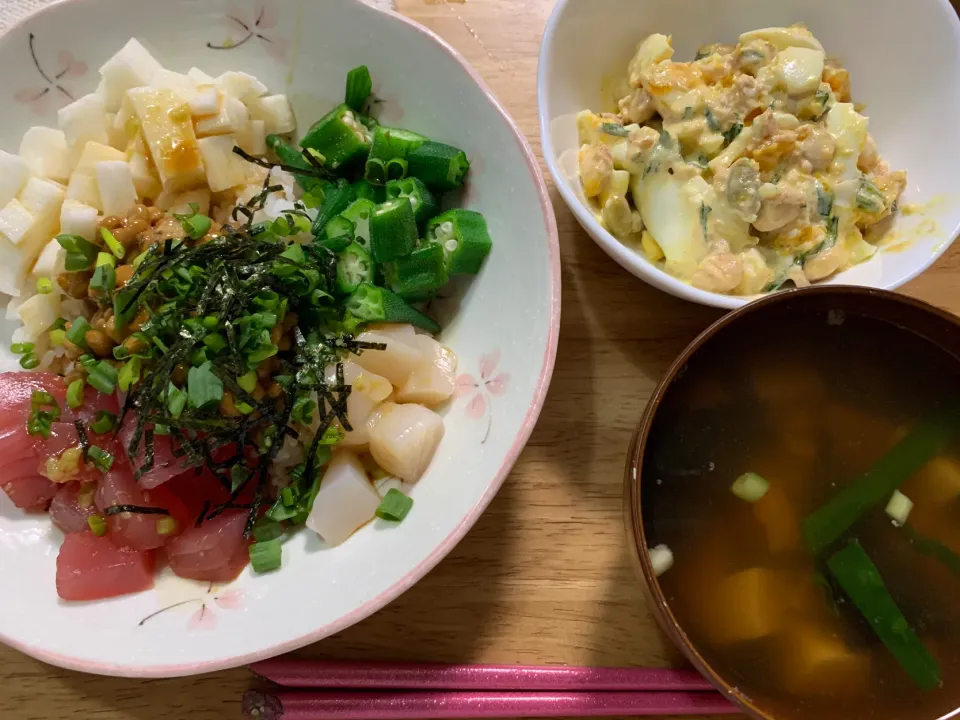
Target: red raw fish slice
x=137, y=530
x=31, y=492
x=16, y=391
x=209, y=552
x=66, y=511
x=166, y=465
x=93, y=568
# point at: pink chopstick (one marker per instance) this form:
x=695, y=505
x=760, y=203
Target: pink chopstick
x=361, y=705
x=411, y=676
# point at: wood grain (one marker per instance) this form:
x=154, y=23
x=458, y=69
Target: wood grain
x=544, y=577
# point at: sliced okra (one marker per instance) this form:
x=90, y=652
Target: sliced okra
x=465, y=239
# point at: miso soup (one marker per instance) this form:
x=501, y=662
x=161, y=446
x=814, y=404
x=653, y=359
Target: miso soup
x=811, y=596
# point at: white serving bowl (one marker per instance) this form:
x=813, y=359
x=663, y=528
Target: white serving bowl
x=504, y=331
x=904, y=65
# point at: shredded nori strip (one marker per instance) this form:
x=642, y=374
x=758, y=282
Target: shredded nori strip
x=82, y=438
x=135, y=509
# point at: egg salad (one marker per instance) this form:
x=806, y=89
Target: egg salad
x=740, y=172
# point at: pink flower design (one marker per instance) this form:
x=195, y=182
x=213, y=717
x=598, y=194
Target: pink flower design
x=204, y=618
x=253, y=26
x=52, y=94
x=483, y=390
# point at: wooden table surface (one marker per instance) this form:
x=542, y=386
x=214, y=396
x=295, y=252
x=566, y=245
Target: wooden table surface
x=545, y=576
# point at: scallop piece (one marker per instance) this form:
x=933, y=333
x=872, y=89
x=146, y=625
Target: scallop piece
x=404, y=438
x=397, y=361
x=345, y=501
x=433, y=381
x=367, y=390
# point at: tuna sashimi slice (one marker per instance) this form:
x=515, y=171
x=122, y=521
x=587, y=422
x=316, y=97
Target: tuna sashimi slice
x=69, y=511
x=210, y=551
x=93, y=568
x=166, y=465
x=30, y=492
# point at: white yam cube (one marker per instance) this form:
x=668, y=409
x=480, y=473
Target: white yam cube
x=396, y=363
x=432, y=382
x=77, y=218
x=84, y=120
x=200, y=76
x=45, y=152
x=15, y=221
x=205, y=101
x=9, y=269
x=13, y=174
x=345, y=501
x=404, y=439
x=225, y=169
x=126, y=121
x=133, y=66
x=168, y=130
x=50, y=262
x=232, y=118
x=276, y=113
x=253, y=138
x=183, y=85
x=199, y=197
x=23, y=234
x=241, y=86
x=83, y=182
x=115, y=182
x=145, y=178
x=43, y=198
x=38, y=313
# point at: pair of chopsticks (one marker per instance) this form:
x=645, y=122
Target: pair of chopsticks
x=335, y=690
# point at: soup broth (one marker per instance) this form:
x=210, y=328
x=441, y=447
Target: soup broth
x=810, y=402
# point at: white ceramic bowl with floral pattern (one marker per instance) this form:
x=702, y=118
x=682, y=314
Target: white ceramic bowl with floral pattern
x=503, y=330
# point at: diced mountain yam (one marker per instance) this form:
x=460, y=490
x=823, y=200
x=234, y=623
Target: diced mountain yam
x=432, y=382
x=78, y=218
x=145, y=180
x=115, y=183
x=13, y=176
x=200, y=76
x=15, y=221
x=225, y=169
x=346, y=500
x=83, y=183
x=168, y=130
x=231, y=118
x=205, y=101
x=276, y=113
x=28, y=222
x=199, y=197
x=133, y=66
x=93, y=568
x=116, y=136
x=240, y=85
x=396, y=362
x=38, y=313
x=43, y=197
x=126, y=120
x=404, y=439
x=50, y=262
x=44, y=151
x=83, y=121
x=253, y=138
x=184, y=85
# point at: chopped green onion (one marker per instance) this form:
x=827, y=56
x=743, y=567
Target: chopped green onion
x=176, y=400
x=80, y=252
x=203, y=386
x=129, y=374
x=288, y=497
x=97, y=525
x=215, y=341
x=104, y=279
x=248, y=381
x=661, y=558
x=58, y=337
x=861, y=581
x=103, y=422
x=394, y=506
x=44, y=285
x=750, y=487
x=103, y=376
x=243, y=407
x=106, y=259
x=166, y=526
x=258, y=356
x=238, y=474
x=266, y=530
x=78, y=331
x=100, y=458
x=112, y=243
x=266, y=556
x=30, y=361
x=75, y=393
x=21, y=348
x=196, y=226
x=898, y=508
